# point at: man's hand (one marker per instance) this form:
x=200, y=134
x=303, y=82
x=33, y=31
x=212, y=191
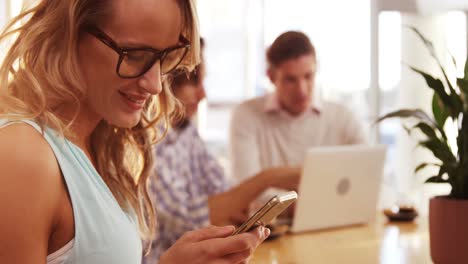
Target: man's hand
x=232, y=207
x=284, y=177
x=228, y=208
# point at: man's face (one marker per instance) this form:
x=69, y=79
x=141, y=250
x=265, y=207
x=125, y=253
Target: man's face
x=190, y=95
x=294, y=81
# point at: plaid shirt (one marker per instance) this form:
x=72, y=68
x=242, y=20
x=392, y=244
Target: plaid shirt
x=186, y=175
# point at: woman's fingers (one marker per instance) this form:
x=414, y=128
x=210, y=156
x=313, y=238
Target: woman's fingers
x=208, y=233
x=239, y=243
x=215, y=245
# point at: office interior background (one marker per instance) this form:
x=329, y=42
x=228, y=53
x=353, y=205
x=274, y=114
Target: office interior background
x=363, y=50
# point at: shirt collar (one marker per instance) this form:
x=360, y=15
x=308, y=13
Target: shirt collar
x=272, y=105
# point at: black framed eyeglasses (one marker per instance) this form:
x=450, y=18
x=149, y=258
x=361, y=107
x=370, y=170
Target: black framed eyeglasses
x=134, y=62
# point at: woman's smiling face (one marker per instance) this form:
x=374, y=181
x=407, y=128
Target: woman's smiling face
x=153, y=24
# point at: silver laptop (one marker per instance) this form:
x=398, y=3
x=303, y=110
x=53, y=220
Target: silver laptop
x=339, y=186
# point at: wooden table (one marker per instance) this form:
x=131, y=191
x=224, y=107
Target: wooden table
x=377, y=242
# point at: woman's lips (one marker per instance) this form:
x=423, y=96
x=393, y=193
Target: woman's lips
x=134, y=101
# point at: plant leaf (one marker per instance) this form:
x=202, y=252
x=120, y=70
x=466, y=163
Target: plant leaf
x=463, y=84
x=436, y=179
x=424, y=165
x=456, y=102
x=462, y=142
x=427, y=130
x=437, y=86
x=455, y=98
x=466, y=70
x=426, y=42
x=405, y=113
x=453, y=59
x=450, y=169
x=454, y=168
x=440, y=149
x=407, y=129
x=440, y=112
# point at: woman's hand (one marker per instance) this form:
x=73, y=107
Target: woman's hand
x=215, y=245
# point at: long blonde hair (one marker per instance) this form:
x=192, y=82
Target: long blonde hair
x=40, y=73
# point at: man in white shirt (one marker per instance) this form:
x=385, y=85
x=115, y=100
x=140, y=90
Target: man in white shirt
x=276, y=130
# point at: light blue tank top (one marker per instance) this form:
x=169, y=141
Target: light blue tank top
x=104, y=233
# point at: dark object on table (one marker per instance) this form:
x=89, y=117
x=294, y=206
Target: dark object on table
x=401, y=213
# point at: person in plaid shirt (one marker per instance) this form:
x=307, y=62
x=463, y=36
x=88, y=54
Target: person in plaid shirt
x=189, y=188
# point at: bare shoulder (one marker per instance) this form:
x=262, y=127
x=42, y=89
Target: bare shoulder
x=30, y=185
x=24, y=149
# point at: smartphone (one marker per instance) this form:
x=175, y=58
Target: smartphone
x=268, y=212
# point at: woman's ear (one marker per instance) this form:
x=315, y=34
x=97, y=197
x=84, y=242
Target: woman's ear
x=271, y=73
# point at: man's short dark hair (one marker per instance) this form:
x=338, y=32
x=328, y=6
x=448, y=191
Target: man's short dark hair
x=289, y=45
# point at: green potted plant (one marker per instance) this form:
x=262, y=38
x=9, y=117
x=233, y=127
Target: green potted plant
x=448, y=215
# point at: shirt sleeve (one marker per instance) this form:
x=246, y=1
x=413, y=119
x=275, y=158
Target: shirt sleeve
x=180, y=203
x=214, y=177
x=244, y=152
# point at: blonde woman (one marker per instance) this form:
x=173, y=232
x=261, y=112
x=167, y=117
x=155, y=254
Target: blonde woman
x=80, y=88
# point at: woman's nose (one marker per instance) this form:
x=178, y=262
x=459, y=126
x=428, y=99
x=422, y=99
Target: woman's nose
x=201, y=92
x=151, y=81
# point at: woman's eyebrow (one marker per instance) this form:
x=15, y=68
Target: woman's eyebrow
x=132, y=43
x=135, y=44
